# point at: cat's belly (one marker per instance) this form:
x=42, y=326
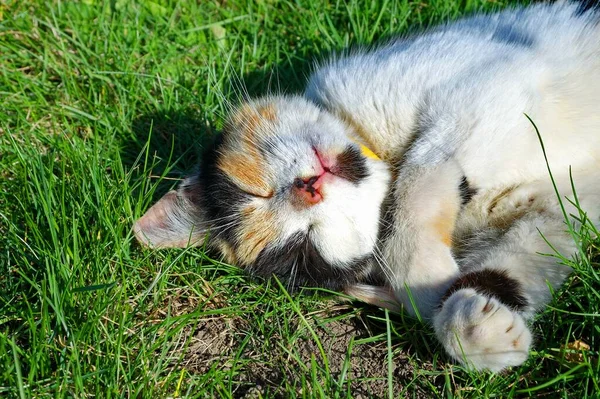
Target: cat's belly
x=568, y=131
x=517, y=161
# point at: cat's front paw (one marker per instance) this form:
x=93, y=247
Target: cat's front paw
x=481, y=332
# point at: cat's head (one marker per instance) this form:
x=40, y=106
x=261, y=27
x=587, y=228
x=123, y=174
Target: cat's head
x=286, y=191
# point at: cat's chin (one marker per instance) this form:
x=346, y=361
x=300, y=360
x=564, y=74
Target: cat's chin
x=345, y=225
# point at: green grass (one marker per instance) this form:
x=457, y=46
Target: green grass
x=104, y=107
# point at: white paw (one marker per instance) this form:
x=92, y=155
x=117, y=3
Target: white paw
x=481, y=332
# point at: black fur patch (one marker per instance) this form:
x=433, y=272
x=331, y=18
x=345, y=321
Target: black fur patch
x=351, y=165
x=218, y=196
x=299, y=264
x=387, y=213
x=588, y=5
x=494, y=283
x=466, y=191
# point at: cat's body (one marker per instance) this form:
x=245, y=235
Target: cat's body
x=449, y=211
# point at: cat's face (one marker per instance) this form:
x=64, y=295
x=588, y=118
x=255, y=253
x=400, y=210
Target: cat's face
x=286, y=192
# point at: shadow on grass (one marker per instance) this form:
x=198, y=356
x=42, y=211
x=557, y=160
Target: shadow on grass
x=173, y=142
x=175, y=139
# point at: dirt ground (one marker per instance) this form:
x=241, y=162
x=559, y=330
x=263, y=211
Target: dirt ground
x=270, y=367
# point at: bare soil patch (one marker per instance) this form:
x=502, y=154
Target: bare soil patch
x=271, y=367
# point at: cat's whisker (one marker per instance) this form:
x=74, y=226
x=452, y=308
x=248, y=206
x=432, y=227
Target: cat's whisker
x=383, y=265
x=293, y=273
x=222, y=228
x=229, y=106
x=239, y=87
x=305, y=265
x=216, y=220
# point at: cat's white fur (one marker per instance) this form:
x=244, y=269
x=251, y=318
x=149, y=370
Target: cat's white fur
x=435, y=108
x=470, y=84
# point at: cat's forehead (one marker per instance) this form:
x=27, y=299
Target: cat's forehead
x=253, y=130
x=240, y=157
x=251, y=121
x=261, y=119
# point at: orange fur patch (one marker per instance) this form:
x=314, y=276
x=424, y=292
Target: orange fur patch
x=245, y=121
x=258, y=229
x=245, y=165
x=227, y=251
x=444, y=231
x=241, y=161
x=267, y=112
x=444, y=223
x=249, y=122
x=247, y=171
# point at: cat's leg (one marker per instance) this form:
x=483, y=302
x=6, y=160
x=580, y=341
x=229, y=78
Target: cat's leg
x=482, y=319
x=418, y=251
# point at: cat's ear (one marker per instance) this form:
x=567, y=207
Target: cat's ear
x=175, y=221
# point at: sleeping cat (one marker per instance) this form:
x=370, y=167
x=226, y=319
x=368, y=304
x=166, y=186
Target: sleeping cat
x=410, y=177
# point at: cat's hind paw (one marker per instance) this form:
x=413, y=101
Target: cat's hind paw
x=481, y=332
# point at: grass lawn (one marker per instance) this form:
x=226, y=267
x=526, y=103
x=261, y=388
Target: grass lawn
x=105, y=106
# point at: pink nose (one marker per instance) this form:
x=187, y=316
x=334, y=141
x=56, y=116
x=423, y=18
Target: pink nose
x=308, y=189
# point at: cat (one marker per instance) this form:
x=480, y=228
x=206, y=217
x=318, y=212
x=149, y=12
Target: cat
x=410, y=177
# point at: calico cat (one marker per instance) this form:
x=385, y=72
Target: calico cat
x=410, y=176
